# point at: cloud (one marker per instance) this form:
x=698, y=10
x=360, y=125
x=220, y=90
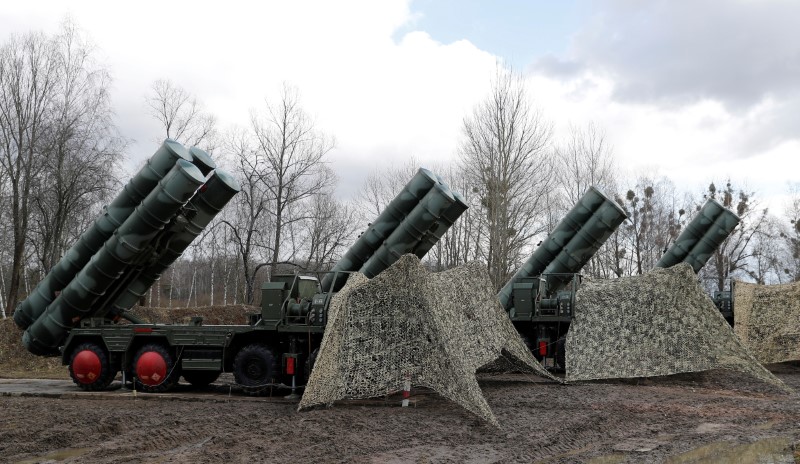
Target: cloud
x=714, y=81
x=738, y=52
x=384, y=96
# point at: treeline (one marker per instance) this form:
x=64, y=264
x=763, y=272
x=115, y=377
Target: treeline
x=60, y=149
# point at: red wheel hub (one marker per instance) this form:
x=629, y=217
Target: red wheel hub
x=86, y=366
x=151, y=368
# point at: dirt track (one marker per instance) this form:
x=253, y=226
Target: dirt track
x=717, y=414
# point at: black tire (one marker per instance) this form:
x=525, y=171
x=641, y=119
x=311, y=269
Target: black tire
x=561, y=353
x=168, y=379
x=254, y=368
x=309, y=365
x=201, y=378
x=101, y=380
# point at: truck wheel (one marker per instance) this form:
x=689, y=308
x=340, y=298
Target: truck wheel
x=201, y=378
x=154, y=369
x=89, y=367
x=254, y=368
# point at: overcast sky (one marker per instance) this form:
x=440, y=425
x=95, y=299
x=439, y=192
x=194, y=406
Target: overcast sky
x=696, y=91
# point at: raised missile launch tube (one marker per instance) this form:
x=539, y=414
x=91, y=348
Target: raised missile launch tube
x=76, y=300
x=202, y=208
x=701, y=237
x=722, y=228
x=584, y=244
x=90, y=241
x=446, y=221
x=201, y=159
x=380, y=229
x=592, y=202
x=691, y=234
x=409, y=233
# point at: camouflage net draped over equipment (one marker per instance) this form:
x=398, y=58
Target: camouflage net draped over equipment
x=767, y=320
x=436, y=329
x=659, y=323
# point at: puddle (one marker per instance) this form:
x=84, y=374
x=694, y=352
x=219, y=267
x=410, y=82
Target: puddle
x=768, y=451
x=610, y=459
x=639, y=445
x=767, y=425
x=710, y=427
x=56, y=456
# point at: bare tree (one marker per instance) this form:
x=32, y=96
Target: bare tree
x=28, y=66
x=765, y=265
x=328, y=229
x=290, y=163
x=249, y=221
x=790, y=236
x=80, y=150
x=280, y=162
x=734, y=256
x=503, y=152
x=182, y=115
x=654, y=221
x=585, y=158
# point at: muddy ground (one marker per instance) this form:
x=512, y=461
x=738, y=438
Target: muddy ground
x=716, y=416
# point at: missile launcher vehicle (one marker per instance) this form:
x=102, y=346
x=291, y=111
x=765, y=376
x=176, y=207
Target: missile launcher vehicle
x=699, y=240
x=78, y=311
x=540, y=298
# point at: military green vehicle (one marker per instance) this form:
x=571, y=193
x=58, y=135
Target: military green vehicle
x=723, y=299
x=698, y=241
x=78, y=311
x=540, y=298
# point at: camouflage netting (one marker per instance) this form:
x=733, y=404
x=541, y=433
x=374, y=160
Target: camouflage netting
x=659, y=323
x=767, y=320
x=436, y=329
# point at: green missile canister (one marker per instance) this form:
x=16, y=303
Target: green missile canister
x=90, y=241
x=76, y=300
x=580, y=249
x=201, y=159
x=557, y=240
x=723, y=227
x=444, y=223
x=380, y=229
x=701, y=237
x=198, y=213
x=409, y=233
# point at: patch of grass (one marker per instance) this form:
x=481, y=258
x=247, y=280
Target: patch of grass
x=16, y=362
